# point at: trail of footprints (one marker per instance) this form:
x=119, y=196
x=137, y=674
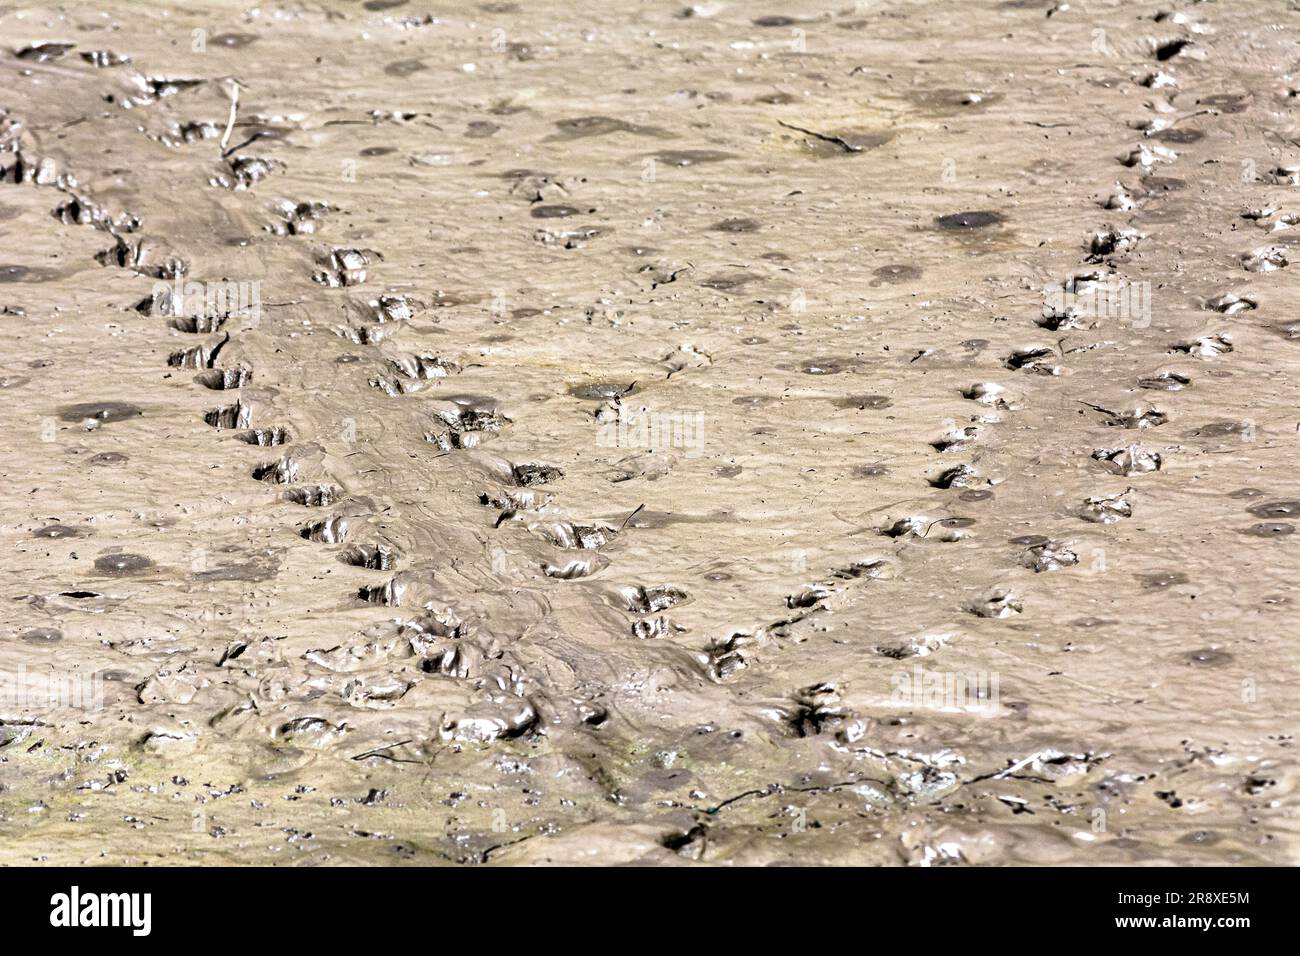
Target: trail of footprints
x=440, y=639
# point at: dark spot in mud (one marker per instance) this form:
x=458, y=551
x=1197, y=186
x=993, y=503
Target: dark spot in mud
x=1161, y=580
x=979, y=219
x=736, y=225
x=869, y=471
x=41, y=635
x=975, y=494
x=728, y=471
x=775, y=20
x=691, y=157
x=1160, y=184
x=728, y=281
x=123, y=564
x=553, y=212
x=897, y=273
x=43, y=52
x=1090, y=622
x=1225, y=102
x=1225, y=430
x=602, y=390
x=481, y=129
x=58, y=531
x=108, y=458
x=377, y=5
x=1166, y=49
x=372, y=151
x=1276, y=509
x=826, y=366
x=15, y=273
x=1178, y=135
x=1246, y=493
x=1270, y=529
x=1209, y=657
x=234, y=41
x=863, y=402
x=404, y=68
x=99, y=411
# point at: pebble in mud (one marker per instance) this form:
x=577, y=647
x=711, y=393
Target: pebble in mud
x=123, y=564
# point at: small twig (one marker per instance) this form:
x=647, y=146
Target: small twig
x=232, y=86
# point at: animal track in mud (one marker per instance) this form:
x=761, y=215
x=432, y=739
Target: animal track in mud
x=466, y=420
x=376, y=557
x=199, y=356
x=245, y=172
x=1232, y=304
x=144, y=257
x=1048, y=556
x=575, y=568
x=333, y=530
x=77, y=211
x=237, y=415
x=1268, y=259
x=1165, y=382
x=222, y=379
x=266, y=437
x=1035, y=358
x=1206, y=346
x=198, y=324
x=389, y=593
x=1130, y=460
x=1140, y=416
x=345, y=267
x=569, y=535
x=315, y=496
x=1112, y=242
x=1107, y=509
x=282, y=472
x=955, y=439
x=998, y=603
x=958, y=476
x=298, y=218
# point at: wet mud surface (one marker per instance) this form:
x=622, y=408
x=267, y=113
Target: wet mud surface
x=649, y=417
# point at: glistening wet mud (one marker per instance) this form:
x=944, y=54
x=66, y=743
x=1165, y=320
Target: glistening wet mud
x=647, y=433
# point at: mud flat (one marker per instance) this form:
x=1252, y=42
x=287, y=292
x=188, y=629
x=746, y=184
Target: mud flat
x=519, y=433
